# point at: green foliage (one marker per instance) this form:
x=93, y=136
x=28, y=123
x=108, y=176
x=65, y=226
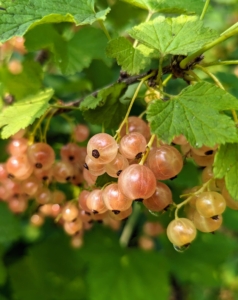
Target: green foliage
x=10, y=229
x=173, y=35
x=81, y=50
x=131, y=59
x=202, y=124
x=174, y=6
x=29, y=81
x=226, y=165
x=106, y=108
x=45, y=36
x=21, y=20
x=23, y=113
x=83, y=66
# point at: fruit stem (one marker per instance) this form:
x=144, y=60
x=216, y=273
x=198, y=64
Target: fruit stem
x=148, y=147
x=204, y=186
x=104, y=29
x=132, y=102
x=47, y=125
x=159, y=76
x=219, y=84
x=128, y=229
x=167, y=79
x=224, y=36
x=217, y=63
x=204, y=9
x=194, y=75
x=146, y=20
x=33, y=133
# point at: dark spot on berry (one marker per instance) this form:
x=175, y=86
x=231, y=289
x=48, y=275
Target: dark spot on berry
x=167, y=207
x=95, y=153
x=119, y=172
x=90, y=222
x=71, y=157
x=186, y=245
x=68, y=178
x=45, y=178
x=85, y=166
x=99, y=221
x=10, y=176
x=212, y=232
x=209, y=152
x=16, y=195
x=95, y=212
x=116, y=212
x=38, y=165
x=87, y=213
x=139, y=200
x=74, y=177
x=172, y=178
x=138, y=155
x=215, y=217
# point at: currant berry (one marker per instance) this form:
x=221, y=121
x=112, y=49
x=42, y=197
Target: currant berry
x=72, y=153
x=95, y=202
x=82, y=200
x=180, y=140
x=161, y=198
x=19, y=167
x=181, y=232
x=136, y=124
x=116, y=166
x=63, y=171
x=137, y=182
x=69, y=212
x=93, y=167
x=17, y=146
x=165, y=162
x=210, y=204
x=132, y=144
x=206, y=224
x=230, y=202
x=114, y=200
x=81, y=133
x=122, y=215
x=102, y=148
x=41, y=155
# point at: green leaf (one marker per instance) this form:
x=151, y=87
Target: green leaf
x=146, y=273
x=131, y=59
x=87, y=44
x=226, y=165
x=52, y=270
x=111, y=111
x=104, y=179
x=24, y=113
x=29, y=81
x=179, y=35
x=46, y=36
x=195, y=113
x=18, y=17
x=10, y=229
x=172, y=6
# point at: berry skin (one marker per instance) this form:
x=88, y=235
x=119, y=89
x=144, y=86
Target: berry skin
x=210, y=204
x=165, y=162
x=137, y=182
x=102, y=148
x=181, y=232
x=41, y=155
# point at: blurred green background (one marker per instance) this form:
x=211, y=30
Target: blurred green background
x=40, y=263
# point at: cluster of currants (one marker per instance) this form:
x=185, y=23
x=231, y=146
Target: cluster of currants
x=136, y=162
